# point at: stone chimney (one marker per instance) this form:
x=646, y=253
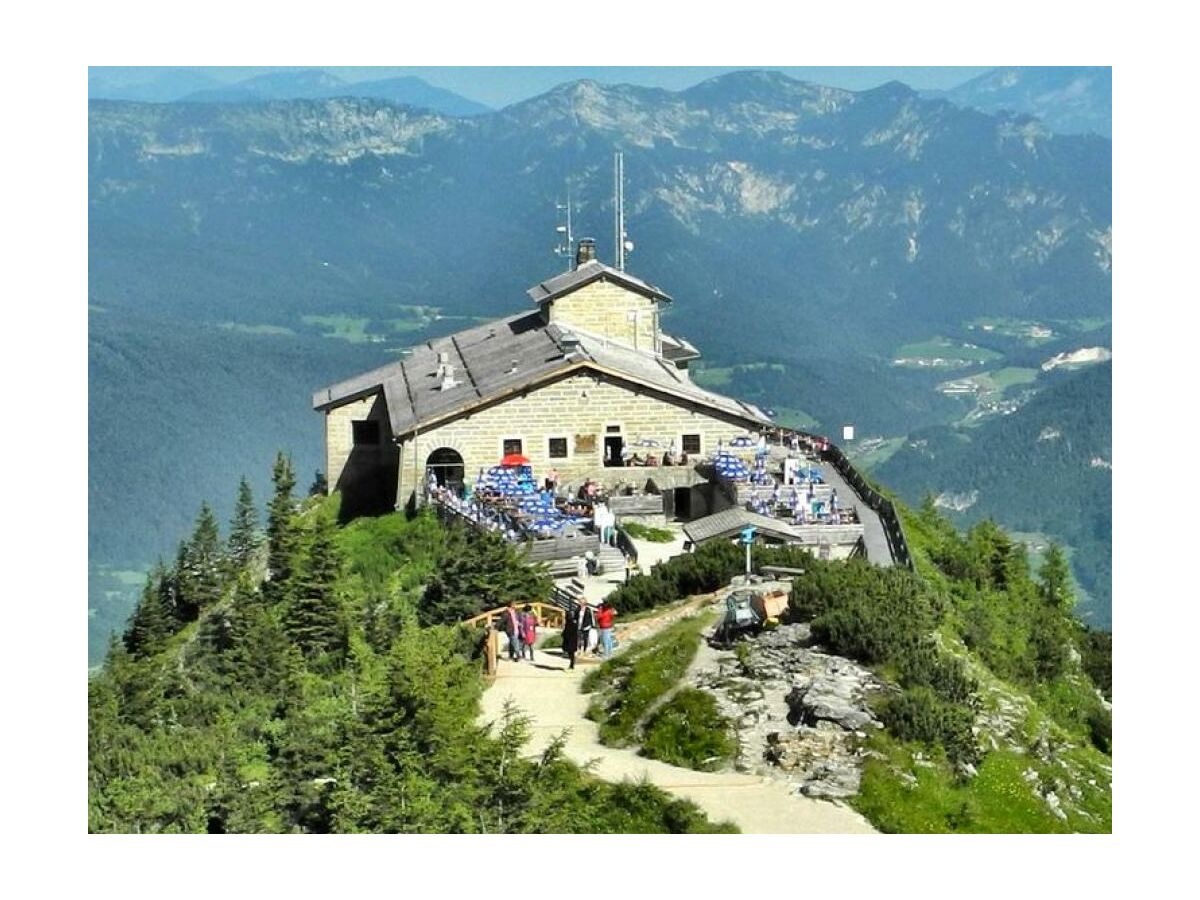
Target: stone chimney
x=586, y=252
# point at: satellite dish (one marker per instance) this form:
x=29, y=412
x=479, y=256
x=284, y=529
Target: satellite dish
x=629, y=246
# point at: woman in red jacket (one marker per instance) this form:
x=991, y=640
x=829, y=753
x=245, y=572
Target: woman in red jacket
x=604, y=621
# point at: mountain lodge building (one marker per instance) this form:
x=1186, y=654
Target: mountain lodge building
x=569, y=385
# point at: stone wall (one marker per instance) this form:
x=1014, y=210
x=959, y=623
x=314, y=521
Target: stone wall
x=612, y=311
x=578, y=408
x=364, y=473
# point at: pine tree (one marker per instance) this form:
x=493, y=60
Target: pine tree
x=201, y=568
x=154, y=619
x=282, y=532
x=244, y=539
x=314, y=619
x=1055, y=575
x=478, y=571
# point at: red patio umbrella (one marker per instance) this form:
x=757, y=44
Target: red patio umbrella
x=515, y=459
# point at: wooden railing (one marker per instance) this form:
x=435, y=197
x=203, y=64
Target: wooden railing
x=893, y=530
x=548, y=614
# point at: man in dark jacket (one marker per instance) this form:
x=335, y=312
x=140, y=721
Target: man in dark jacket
x=587, y=621
x=512, y=628
x=570, y=637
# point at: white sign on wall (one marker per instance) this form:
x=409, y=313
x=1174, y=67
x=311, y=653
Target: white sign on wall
x=847, y=432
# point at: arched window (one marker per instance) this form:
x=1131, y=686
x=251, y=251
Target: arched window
x=446, y=464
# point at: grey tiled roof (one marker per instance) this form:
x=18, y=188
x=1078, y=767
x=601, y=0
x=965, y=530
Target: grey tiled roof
x=729, y=522
x=594, y=270
x=490, y=361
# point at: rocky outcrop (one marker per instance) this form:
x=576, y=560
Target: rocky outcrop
x=800, y=713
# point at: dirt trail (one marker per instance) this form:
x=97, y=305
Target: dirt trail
x=548, y=693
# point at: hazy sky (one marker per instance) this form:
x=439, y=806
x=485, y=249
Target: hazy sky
x=500, y=86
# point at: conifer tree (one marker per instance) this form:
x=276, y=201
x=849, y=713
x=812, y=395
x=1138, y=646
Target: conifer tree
x=154, y=620
x=282, y=532
x=479, y=570
x=244, y=539
x=314, y=618
x=200, y=572
x=1055, y=575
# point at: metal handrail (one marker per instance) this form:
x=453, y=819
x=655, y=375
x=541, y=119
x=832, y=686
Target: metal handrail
x=893, y=530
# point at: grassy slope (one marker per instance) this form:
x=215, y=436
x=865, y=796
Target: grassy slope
x=910, y=788
x=638, y=701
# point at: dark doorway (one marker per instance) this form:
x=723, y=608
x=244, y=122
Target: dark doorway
x=613, y=445
x=682, y=498
x=447, y=466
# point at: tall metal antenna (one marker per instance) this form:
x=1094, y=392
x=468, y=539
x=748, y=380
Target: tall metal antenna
x=566, y=237
x=620, y=238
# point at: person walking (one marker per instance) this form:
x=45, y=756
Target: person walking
x=570, y=637
x=529, y=623
x=587, y=624
x=512, y=628
x=604, y=621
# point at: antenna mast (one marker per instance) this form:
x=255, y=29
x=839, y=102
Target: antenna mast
x=566, y=237
x=620, y=238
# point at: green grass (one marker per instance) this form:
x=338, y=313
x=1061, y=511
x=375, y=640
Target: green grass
x=627, y=686
x=1086, y=324
x=711, y=378
x=341, y=327
x=649, y=533
x=256, y=329
x=653, y=611
x=1002, y=379
x=999, y=800
x=874, y=453
x=689, y=731
x=403, y=326
x=720, y=376
x=954, y=354
x=790, y=417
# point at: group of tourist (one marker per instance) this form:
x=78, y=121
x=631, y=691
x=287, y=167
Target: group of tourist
x=588, y=630
x=585, y=630
x=521, y=628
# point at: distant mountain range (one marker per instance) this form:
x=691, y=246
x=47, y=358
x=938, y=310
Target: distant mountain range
x=1068, y=99
x=836, y=255
x=187, y=86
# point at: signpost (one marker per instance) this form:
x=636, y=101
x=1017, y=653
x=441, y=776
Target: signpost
x=748, y=540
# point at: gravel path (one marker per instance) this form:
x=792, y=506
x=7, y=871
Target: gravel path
x=549, y=693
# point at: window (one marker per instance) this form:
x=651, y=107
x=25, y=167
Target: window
x=612, y=429
x=366, y=432
x=691, y=444
x=511, y=445
x=558, y=448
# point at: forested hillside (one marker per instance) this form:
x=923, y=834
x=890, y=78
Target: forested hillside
x=312, y=679
x=316, y=701
x=1046, y=468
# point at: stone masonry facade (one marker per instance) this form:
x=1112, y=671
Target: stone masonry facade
x=344, y=461
x=582, y=409
x=611, y=311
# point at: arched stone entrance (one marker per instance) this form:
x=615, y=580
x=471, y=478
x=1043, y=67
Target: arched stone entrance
x=446, y=464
